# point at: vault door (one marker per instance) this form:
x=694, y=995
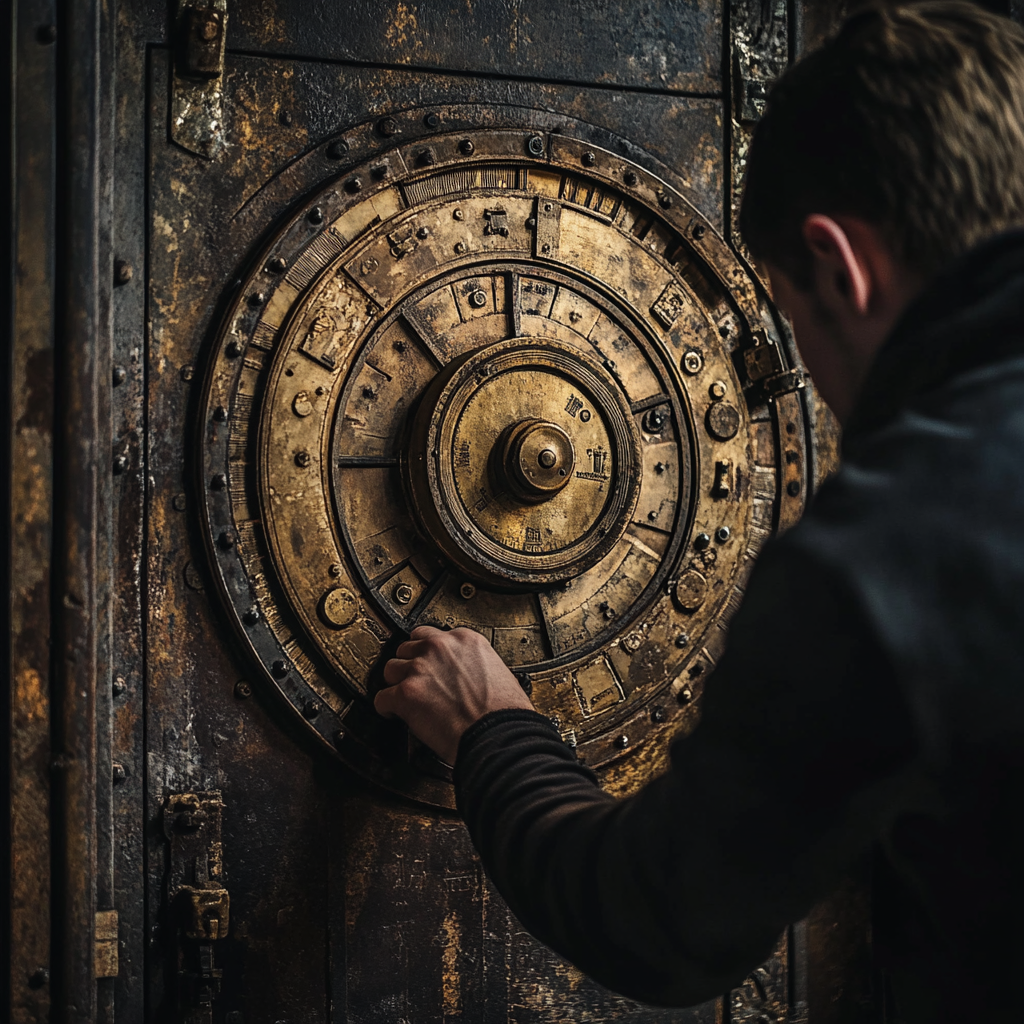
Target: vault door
x=459, y=362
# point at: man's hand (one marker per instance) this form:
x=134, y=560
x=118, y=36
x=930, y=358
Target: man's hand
x=441, y=682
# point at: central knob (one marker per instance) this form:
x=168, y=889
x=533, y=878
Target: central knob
x=536, y=460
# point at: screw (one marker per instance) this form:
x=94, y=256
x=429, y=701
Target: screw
x=432, y=120
x=468, y=591
x=622, y=741
x=118, y=687
x=257, y=299
x=630, y=178
x=655, y=419
x=316, y=215
x=387, y=126
x=460, y=247
x=220, y=414
x=46, y=35
x=303, y=459
x=535, y=145
x=658, y=714
x=458, y=215
x=232, y=350
x=226, y=540
x=466, y=147
x=660, y=467
x=120, y=463
x=118, y=772
x=722, y=534
x=353, y=185
x=120, y=375
x=682, y=640
x=312, y=709
x=685, y=695
x=280, y=668
x=123, y=272
x=693, y=361
x=665, y=201
x=243, y=691
x=339, y=737
x=702, y=541
x=278, y=265
x=588, y=159
x=219, y=482
x=40, y=976
x=403, y=593
x=179, y=502
x=584, y=415
x=717, y=391
x=251, y=616
x=793, y=488
x=285, y=117
x=699, y=231
x=423, y=233
x=337, y=149
x=477, y=299
x=547, y=458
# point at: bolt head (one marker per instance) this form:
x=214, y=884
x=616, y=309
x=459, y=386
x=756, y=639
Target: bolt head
x=232, y=350
x=682, y=640
x=257, y=299
x=477, y=299
x=432, y=120
x=280, y=668
x=423, y=233
x=685, y=695
x=658, y=714
x=458, y=215
x=588, y=159
x=460, y=247
x=251, y=616
x=630, y=178
x=468, y=591
x=120, y=375
x=535, y=145
x=315, y=216
x=243, y=691
x=403, y=593
x=220, y=414
x=277, y=265
x=120, y=463
x=717, y=391
x=387, y=126
x=219, y=482
x=311, y=710
x=702, y=541
x=337, y=149
x=118, y=687
x=693, y=362
x=665, y=201
x=123, y=272
x=353, y=185
x=303, y=459
x=227, y=539
x=466, y=147
x=699, y=231
x=118, y=772
x=793, y=488
x=622, y=741
x=722, y=534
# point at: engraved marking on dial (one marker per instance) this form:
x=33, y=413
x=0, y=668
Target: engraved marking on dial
x=340, y=607
x=669, y=306
x=723, y=421
x=690, y=591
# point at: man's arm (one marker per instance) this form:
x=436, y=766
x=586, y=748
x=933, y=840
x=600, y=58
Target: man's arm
x=673, y=895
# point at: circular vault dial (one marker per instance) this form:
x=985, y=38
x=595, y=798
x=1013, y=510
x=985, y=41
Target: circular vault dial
x=493, y=389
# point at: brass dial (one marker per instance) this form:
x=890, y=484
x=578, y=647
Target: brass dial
x=493, y=389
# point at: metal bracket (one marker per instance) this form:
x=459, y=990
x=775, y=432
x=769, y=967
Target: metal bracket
x=198, y=903
x=760, y=52
x=197, y=88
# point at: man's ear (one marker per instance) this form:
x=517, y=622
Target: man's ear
x=839, y=273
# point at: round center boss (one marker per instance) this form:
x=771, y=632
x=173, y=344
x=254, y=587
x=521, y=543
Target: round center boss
x=509, y=381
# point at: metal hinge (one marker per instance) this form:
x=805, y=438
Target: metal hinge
x=764, y=366
x=105, y=959
x=197, y=87
x=199, y=904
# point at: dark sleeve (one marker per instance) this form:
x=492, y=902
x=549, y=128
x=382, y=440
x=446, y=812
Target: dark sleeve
x=673, y=895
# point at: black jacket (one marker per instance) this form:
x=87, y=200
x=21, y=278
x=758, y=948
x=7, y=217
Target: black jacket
x=872, y=696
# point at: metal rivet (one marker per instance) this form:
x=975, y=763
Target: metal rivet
x=682, y=640
x=531, y=222
x=468, y=591
x=285, y=117
x=699, y=231
x=118, y=687
x=387, y=126
x=337, y=149
x=226, y=540
x=477, y=299
x=277, y=265
x=257, y=299
x=232, y=350
x=423, y=233
x=316, y=215
x=403, y=593
x=179, y=502
x=685, y=695
x=280, y=668
x=458, y=215
x=702, y=541
x=693, y=361
x=380, y=172
x=722, y=534
x=793, y=488
x=219, y=482
x=655, y=419
x=118, y=773
x=243, y=691
x=251, y=616
x=725, y=330
x=535, y=145
x=120, y=375
x=353, y=185
x=460, y=247
x=120, y=463
x=432, y=120
x=658, y=714
x=123, y=272
x=312, y=709
x=588, y=159
x=660, y=467
x=466, y=147
x=622, y=741
x=220, y=414
x=46, y=35
x=717, y=391
x=630, y=178
x=665, y=201
x=336, y=569
x=303, y=459
x=339, y=737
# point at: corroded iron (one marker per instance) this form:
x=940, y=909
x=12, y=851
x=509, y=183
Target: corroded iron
x=496, y=389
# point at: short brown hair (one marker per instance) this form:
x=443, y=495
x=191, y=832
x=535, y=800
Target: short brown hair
x=912, y=118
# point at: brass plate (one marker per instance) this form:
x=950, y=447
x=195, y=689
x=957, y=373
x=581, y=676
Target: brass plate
x=499, y=389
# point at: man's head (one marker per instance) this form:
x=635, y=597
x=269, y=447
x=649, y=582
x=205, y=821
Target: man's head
x=882, y=156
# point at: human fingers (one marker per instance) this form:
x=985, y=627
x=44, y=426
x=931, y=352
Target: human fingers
x=397, y=669
x=424, y=632
x=409, y=649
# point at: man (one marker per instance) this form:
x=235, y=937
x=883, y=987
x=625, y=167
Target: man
x=873, y=692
